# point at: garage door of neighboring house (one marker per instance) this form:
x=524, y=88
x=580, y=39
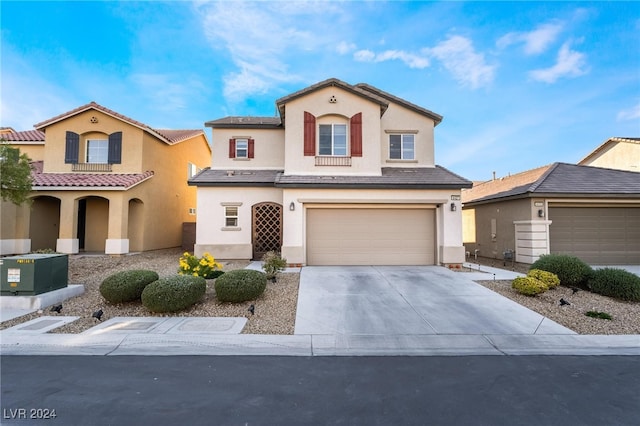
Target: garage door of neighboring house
x=597, y=235
x=370, y=236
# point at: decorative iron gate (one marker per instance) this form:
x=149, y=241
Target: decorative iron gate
x=267, y=228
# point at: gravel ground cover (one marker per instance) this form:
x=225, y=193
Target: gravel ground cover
x=275, y=310
x=625, y=315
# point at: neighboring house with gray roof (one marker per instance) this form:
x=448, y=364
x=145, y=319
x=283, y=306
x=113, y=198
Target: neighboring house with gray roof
x=345, y=175
x=590, y=212
x=103, y=182
x=615, y=153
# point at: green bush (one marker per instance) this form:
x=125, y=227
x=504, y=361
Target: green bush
x=126, y=286
x=599, y=315
x=172, y=294
x=529, y=286
x=570, y=270
x=273, y=263
x=240, y=285
x=550, y=279
x=616, y=283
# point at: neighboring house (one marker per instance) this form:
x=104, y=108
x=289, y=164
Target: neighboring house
x=106, y=183
x=30, y=142
x=616, y=153
x=345, y=175
x=590, y=212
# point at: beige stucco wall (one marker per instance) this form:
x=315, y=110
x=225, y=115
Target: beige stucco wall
x=619, y=155
x=398, y=119
x=34, y=150
x=347, y=105
x=494, y=225
x=269, y=149
x=14, y=228
x=55, y=135
x=213, y=236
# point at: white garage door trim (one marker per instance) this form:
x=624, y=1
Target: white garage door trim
x=381, y=235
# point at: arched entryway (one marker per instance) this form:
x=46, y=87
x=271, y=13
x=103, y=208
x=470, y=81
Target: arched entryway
x=93, y=223
x=266, y=232
x=135, y=230
x=44, y=223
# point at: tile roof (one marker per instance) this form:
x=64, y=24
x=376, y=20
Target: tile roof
x=607, y=143
x=84, y=180
x=24, y=136
x=435, y=117
x=392, y=177
x=167, y=136
x=559, y=179
x=252, y=122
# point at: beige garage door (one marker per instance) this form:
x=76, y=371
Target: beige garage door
x=376, y=236
x=597, y=235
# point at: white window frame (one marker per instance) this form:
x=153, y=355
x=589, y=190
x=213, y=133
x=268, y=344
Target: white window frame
x=193, y=170
x=231, y=216
x=103, y=149
x=403, y=140
x=333, y=139
x=242, y=152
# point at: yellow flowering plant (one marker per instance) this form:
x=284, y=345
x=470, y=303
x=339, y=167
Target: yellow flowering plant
x=205, y=267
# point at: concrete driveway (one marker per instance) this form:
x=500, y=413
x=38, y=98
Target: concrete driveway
x=408, y=300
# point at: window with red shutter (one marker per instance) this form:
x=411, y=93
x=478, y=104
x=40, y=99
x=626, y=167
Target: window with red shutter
x=309, y=134
x=251, y=148
x=232, y=148
x=356, y=135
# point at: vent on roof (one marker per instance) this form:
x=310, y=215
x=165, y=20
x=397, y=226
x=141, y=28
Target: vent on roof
x=230, y=173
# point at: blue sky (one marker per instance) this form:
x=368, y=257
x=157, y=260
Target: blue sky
x=520, y=84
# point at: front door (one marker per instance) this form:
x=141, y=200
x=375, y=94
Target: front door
x=267, y=229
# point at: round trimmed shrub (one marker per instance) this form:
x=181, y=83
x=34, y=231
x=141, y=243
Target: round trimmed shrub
x=240, y=285
x=550, y=279
x=570, y=270
x=172, y=294
x=615, y=282
x=529, y=286
x=126, y=286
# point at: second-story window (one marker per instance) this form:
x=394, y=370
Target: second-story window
x=97, y=151
x=242, y=148
x=401, y=147
x=333, y=139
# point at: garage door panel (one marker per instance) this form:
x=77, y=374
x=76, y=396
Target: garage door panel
x=597, y=235
x=380, y=236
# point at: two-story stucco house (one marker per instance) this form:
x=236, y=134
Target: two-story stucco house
x=345, y=175
x=103, y=182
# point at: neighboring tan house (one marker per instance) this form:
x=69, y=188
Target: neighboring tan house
x=106, y=183
x=616, y=153
x=345, y=175
x=589, y=212
x=30, y=142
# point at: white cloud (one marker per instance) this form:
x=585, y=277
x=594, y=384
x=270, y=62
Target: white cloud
x=343, y=47
x=167, y=92
x=632, y=113
x=411, y=60
x=569, y=63
x=460, y=58
x=257, y=37
x=536, y=41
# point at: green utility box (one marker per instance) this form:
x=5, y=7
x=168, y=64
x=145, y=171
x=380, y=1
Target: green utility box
x=31, y=274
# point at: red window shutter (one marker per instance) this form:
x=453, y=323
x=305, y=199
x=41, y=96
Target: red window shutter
x=232, y=148
x=356, y=135
x=252, y=143
x=309, y=134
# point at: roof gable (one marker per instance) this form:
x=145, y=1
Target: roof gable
x=605, y=146
x=437, y=118
x=168, y=136
x=332, y=82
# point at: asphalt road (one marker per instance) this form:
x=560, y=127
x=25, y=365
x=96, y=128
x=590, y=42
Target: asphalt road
x=254, y=390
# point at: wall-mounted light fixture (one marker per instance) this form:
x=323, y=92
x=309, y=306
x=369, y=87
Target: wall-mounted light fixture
x=292, y=206
x=453, y=207
x=540, y=213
